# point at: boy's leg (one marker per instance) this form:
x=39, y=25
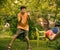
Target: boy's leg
x=13, y=38
x=27, y=40
x=19, y=31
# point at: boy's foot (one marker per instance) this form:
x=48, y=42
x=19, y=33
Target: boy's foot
x=29, y=48
x=9, y=47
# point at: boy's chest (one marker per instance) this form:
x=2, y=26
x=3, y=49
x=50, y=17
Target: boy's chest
x=24, y=17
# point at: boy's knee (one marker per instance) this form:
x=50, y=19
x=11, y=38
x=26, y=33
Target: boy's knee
x=15, y=35
x=26, y=36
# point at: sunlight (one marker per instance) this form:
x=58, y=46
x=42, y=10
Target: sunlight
x=16, y=1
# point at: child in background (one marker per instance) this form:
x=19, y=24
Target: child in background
x=53, y=33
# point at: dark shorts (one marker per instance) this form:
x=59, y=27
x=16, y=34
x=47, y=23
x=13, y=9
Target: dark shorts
x=21, y=31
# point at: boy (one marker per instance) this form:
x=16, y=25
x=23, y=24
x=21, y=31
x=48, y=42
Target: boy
x=22, y=27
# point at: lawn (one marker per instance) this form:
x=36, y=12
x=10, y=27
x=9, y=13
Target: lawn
x=20, y=45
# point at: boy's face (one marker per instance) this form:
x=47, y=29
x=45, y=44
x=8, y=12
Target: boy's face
x=23, y=10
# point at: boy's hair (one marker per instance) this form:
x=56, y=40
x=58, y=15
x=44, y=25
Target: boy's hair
x=23, y=7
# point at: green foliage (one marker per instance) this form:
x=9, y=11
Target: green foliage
x=13, y=24
x=10, y=8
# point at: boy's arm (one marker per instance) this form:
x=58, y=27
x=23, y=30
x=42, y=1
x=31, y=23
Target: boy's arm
x=19, y=17
x=29, y=18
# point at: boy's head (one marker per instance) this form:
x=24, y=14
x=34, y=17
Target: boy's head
x=23, y=9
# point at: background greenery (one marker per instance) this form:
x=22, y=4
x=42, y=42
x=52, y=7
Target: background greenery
x=9, y=10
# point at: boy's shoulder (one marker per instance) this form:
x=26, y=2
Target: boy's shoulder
x=19, y=13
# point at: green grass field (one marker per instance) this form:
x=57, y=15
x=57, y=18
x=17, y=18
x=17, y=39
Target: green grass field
x=20, y=45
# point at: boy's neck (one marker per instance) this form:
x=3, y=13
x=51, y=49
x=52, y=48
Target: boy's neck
x=22, y=13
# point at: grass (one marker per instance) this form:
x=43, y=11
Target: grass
x=20, y=45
